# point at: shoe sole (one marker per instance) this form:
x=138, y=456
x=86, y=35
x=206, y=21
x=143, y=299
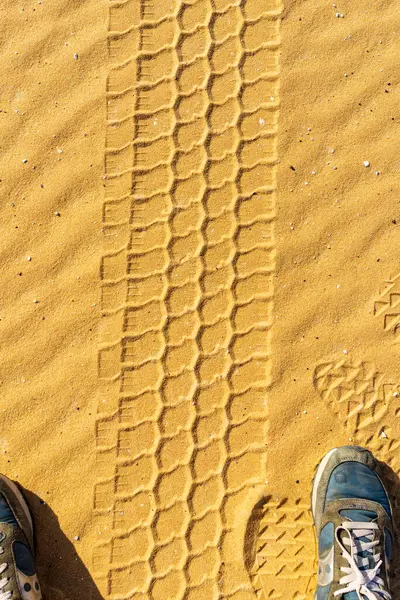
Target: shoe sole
x=317, y=479
x=20, y=499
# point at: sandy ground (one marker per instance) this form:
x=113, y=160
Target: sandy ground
x=51, y=166
x=200, y=282
x=335, y=344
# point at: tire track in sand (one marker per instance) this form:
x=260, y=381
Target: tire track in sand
x=187, y=288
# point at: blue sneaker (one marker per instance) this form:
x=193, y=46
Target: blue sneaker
x=353, y=519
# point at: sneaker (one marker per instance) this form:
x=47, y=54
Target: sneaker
x=353, y=519
x=18, y=579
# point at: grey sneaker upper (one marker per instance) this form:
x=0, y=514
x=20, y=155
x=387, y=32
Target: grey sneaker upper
x=353, y=519
x=18, y=579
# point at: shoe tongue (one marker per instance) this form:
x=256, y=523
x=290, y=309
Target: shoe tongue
x=6, y=514
x=362, y=516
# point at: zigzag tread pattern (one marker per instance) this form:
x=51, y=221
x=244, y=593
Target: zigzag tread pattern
x=284, y=565
x=187, y=290
x=387, y=306
x=365, y=403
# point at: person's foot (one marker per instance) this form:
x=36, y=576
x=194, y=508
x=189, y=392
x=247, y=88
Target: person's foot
x=18, y=579
x=353, y=519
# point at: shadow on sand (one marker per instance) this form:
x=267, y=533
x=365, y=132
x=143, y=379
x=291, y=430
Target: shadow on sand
x=62, y=574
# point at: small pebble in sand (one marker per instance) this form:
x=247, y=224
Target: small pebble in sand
x=345, y=351
x=76, y=56
x=59, y=150
x=313, y=172
x=76, y=538
x=338, y=286
x=29, y=258
x=36, y=301
x=346, y=75
x=377, y=172
x=24, y=160
x=366, y=163
x=396, y=394
x=57, y=214
x=383, y=434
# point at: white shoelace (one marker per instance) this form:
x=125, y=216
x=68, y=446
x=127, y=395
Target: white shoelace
x=3, y=582
x=366, y=582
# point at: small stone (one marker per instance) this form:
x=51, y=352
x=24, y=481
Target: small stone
x=59, y=150
x=366, y=163
x=76, y=56
x=57, y=214
x=29, y=258
x=76, y=538
x=377, y=172
x=383, y=434
x=345, y=75
x=36, y=301
x=396, y=394
x=24, y=160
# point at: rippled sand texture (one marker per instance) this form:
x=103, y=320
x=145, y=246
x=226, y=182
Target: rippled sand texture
x=171, y=456
x=337, y=301
x=187, y=284
x=51, y=161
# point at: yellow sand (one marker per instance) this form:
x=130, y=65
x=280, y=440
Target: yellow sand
x=50, y=103
x=172, y=438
